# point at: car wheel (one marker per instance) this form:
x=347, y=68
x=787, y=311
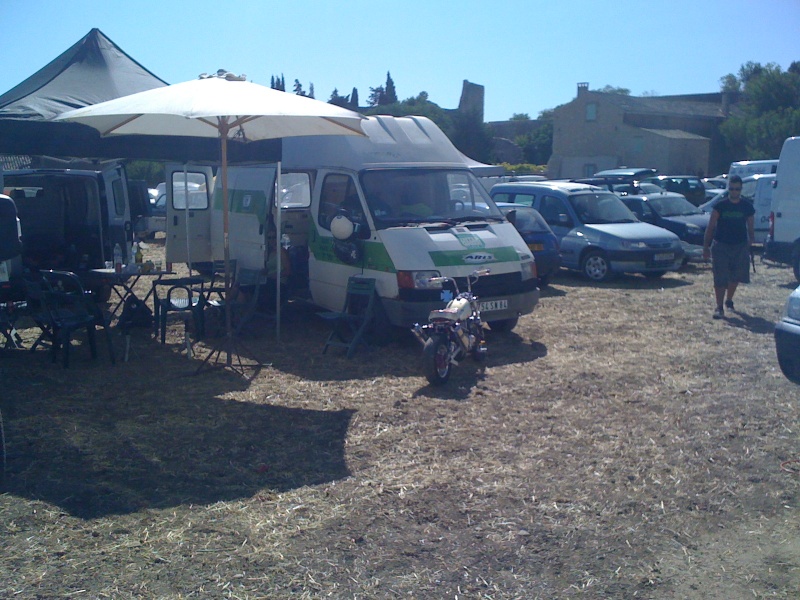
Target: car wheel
x=596, y=266
x=655, y=274
x=790, y=366
x=503, y=325
x=796, y=266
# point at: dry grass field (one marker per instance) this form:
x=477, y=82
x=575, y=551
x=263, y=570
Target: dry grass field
x=618, y=444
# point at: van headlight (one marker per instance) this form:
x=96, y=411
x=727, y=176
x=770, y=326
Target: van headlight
x=528, y=269
x=418, y=280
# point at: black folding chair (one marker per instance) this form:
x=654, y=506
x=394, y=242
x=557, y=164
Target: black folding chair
x=349, y=326
x=71, y=309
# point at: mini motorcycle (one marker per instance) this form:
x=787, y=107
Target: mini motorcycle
x=452, y=333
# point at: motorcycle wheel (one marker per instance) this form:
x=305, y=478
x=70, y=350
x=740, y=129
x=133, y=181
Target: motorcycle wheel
x=436, y=360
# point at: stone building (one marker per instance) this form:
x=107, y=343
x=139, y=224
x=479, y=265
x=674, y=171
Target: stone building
x=674, y=134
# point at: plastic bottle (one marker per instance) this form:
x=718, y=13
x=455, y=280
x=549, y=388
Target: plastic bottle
x=117, y=259
x=138, y=256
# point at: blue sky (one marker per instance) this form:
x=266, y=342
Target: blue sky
x=528, y=54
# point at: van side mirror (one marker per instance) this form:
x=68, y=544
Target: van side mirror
x=342, y=228
x=512, y=217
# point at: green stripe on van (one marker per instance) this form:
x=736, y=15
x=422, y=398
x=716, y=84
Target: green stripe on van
x=450, y=258
x=376, y=258
x=244, y=202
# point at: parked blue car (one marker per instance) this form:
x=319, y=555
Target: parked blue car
x=674, y=212
x=540, y=239
x=597, y=233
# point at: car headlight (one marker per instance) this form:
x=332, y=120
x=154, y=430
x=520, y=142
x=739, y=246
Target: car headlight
x=633, y=245
x=792, y=308
x=692, y=228
x=418, y=280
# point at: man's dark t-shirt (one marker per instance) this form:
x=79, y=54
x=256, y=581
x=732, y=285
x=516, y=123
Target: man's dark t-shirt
x=732, y=221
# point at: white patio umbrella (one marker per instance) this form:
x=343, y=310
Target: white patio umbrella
x=226, y=106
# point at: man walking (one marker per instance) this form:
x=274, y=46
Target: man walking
x=731, y=228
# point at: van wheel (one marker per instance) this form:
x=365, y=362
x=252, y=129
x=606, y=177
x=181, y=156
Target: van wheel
x=595, y=266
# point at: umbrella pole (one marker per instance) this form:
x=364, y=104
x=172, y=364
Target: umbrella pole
x=226, y=244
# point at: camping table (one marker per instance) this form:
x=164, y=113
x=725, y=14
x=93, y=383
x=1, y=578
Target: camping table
x=122, y=284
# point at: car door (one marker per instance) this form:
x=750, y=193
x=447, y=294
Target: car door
x=555, y=211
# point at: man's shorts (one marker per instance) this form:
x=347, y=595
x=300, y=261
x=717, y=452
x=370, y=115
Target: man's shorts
x=730, y=263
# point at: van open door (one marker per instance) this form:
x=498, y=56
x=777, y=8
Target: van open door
x=189, y=189
x=250, y=190
x=120, y=227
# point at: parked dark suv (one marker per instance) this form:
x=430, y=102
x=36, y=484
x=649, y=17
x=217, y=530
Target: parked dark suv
x=689, y=186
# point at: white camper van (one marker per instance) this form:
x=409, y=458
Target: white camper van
x=745, y=168
x=399, y=205
x=783, y=243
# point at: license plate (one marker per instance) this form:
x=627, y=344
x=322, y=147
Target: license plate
x=664, y=256
x=491, y=305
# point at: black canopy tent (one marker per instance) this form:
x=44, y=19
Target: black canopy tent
x=95, y=70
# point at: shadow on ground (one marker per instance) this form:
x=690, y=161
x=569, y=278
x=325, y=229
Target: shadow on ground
x=98, y=450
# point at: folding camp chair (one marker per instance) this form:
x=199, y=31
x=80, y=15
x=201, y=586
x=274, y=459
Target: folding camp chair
x=349, y=326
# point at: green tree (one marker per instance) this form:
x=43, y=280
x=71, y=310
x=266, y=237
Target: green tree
x=338, y=100
x=376, y=96
x=610, y=89
x=520, y=117
x=537, y=146
x=770, y=110
x=354, y=99
x=277, y=83
x=390, y=95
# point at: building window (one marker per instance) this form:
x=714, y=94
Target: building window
x=591, y=111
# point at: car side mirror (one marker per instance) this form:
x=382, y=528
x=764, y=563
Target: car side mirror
x=563, y=219
x=512, y=217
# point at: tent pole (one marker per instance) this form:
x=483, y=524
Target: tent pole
x=186, y=215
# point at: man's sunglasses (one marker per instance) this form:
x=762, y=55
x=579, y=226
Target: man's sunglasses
x=736, y=189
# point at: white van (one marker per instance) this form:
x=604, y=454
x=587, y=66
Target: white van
x=783, y=243
x=413, y=206
x=745, y=168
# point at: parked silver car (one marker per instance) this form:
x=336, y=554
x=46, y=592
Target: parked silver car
x=598, y=234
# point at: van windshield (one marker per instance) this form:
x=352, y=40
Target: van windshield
x=398, y=197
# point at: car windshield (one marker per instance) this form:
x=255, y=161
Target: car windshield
x=599, y=208
x=673, y=206
x=408, y=196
